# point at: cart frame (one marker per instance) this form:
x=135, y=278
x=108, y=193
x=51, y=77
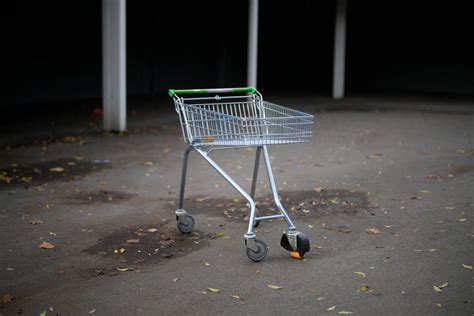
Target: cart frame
x=212, y=126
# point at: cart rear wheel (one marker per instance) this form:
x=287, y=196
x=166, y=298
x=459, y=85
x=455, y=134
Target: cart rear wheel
x=260, y=254
x=186, y=224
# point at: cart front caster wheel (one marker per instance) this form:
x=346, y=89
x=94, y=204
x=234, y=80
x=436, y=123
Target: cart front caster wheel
x=302, y=245
x=260, y=254
x=186, y=224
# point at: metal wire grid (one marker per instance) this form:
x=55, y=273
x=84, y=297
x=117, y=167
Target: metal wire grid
x=246, y=123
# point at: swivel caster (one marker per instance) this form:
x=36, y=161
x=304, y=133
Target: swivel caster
x=185, y=223
x=260, y=253
x=296, y=243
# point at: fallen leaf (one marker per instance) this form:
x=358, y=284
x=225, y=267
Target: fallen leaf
x=461, y=219
x=152, y=230
x=125, y=269
x=57, y=169
x=220, y=234
x=344, y=312
x=46, y=245
x=7, y=298
x=203, y=199
x=318, y=189
x=175, y=279
x=388, y=226
x=236, y=297
x=36, y=221
x=213, y=290
x=373, y=231
x=442, y=286
x=207, y=264
x=437, y=289
x=362, y=274
x=320, y=298
x=148, y=163
x=365, y=288
x=92, y=311
x=466, y=266
x=375, y=156
x=122, y=250
x=133, y=241
x=438, y=305
x=52, y=233
x=424, y=191
x=331, y=308
x=275, y=287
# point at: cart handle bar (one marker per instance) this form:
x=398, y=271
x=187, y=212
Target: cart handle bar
x=173, y=92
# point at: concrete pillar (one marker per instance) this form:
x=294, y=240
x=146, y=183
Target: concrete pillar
x=114, y=65
x=252, y=44
x=339, y=50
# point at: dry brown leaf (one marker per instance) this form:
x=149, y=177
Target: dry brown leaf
x=57, y=169
x=152, y=230
x=46, y=245
x=331, y=308
x=437, y=289
x=213, y=290
x=275, y=287
x=236, y=297
x=344, y=312
x=373, y=231
x=133, y=241
x=7, y=298
x=362, y=274
x=36, y=221
x=375, y=156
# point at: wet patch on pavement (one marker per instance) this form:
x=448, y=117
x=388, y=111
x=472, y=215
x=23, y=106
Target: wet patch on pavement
x=298, y=204
x=100, y=196
x=49, y=171
x=136, y=247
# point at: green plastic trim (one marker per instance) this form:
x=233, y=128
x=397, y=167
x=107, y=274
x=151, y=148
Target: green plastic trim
x=172, y=92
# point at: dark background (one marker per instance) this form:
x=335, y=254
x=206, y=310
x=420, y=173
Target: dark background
x=54, y=48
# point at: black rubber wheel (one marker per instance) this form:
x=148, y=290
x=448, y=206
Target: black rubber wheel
x=186, y=224
x=302, y=244
x=260, y=254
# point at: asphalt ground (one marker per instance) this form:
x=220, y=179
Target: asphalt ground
x=384, y=192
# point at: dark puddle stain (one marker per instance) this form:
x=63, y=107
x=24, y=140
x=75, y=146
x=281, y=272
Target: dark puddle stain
x=101, y=196
x=455, y=170
x=56, y=170
x=136, y=247
x=298, y=204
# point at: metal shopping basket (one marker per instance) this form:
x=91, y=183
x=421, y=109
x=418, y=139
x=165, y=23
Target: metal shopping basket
x=240, y=118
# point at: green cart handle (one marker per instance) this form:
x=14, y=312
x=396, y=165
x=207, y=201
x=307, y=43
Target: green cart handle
x=173, y=92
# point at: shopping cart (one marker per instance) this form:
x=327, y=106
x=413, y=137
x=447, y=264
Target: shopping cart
x=239, y=119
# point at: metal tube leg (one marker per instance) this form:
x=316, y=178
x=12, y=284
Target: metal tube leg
x=268, y=166
x=255, y=172
x=250, y=235
x=183, y=178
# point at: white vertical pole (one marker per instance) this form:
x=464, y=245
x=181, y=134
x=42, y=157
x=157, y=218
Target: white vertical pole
x=339, y=50
x=252, y=44
x=113, y=59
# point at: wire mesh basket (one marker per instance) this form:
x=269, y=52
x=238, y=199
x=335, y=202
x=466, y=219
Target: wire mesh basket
x=241, y=121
